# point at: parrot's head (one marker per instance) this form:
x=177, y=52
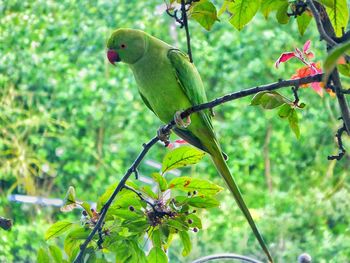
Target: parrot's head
x=126, y=45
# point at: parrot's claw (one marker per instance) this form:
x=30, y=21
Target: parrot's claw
x=180, y=122
x=164, y=135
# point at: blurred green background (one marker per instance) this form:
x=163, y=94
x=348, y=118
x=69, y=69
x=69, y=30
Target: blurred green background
x=67, y=117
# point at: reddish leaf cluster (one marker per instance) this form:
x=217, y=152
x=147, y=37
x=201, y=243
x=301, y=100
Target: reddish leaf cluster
x=310, y=68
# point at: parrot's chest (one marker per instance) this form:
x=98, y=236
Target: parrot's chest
x=158, y=85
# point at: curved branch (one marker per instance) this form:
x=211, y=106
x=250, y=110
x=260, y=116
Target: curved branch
x=319, y=24
x=226, y=256
x=170, y=125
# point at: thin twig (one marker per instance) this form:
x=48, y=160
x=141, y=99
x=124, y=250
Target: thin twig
x=185, y=23
x=319, y=24
x=342, y=150
x=170, y=125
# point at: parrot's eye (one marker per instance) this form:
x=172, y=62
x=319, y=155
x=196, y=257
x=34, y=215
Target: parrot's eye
x=123, y=46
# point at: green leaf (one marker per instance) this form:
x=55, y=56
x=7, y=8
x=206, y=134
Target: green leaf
x=281, y=15
x=204, y=12
x=186, y=242
x=242, y=12
x=333, y=57
x=268, y=6
x=196, y=221
x=105, y=196
x=148, y=191
x=224, y=7
x=294, y=123
x=137, y=226
x=285, y=110
x=86, y=206
x=56, y=254
x=344, y=69
x=198, y=201
x=58, y=229
x=269, y=99
x=177, y=223
x=339, y=16
x=189, y=184
x=180, y=157
x=157, y=255
x=74, y=239
x=303, y=22
x=42, y=256
x=156, y=238
x=69, y=202
x=160, y=180
x=328, y=3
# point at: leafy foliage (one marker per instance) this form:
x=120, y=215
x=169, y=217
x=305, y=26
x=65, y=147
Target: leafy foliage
x=160, y=216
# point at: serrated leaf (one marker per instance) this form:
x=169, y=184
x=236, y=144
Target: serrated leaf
x=56, y=254
x=157, y=255
x=180, y=157
x=333, y=57
x=281, y=15
x=303, y=22
x=204, y=12
x=160, y=180
x=294, y=122
x=42, y=256
x=339, y=16
x=186, y=242
x=243, y=12
x=268, y=6
x=74, y=239
x=58, y=229
x=188, y=184
x=285, y=110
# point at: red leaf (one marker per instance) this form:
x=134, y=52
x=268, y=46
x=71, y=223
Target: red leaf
x=306, y=47
x=312, y=69
x=318, y=87
x=284, y=57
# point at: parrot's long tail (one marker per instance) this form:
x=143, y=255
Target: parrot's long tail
x=222, y=168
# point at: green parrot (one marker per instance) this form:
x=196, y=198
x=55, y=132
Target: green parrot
x=168, y=83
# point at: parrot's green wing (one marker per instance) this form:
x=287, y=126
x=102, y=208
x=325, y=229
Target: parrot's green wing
x=189, y=80
x=191, y=84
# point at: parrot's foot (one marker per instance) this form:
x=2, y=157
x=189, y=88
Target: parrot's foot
x=164, y=135
x=180, y=122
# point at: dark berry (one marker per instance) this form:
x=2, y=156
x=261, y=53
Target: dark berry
x=131, y=208
x=189, y=221
x=84, y=213
x=195, y=229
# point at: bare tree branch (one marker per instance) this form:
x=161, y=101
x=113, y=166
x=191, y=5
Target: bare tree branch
x=324, y=35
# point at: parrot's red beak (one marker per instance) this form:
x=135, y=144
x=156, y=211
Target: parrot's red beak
x=113, y=56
